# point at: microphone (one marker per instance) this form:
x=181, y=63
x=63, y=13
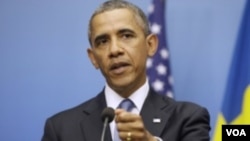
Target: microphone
x=107, y=116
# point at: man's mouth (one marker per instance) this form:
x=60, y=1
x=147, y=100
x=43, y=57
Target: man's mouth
x=119, y=68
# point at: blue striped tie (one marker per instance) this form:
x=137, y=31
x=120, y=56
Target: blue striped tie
x=127, y=105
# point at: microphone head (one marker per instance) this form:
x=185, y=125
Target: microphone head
x=108, y=113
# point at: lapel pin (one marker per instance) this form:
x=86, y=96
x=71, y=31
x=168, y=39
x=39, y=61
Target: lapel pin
x=156, y=120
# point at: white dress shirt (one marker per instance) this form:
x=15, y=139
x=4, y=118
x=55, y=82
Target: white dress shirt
x=113, y=99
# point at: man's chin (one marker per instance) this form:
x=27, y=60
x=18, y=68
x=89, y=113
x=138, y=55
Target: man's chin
x=121, y=85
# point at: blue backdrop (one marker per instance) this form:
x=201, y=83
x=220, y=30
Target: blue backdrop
x=44, y=66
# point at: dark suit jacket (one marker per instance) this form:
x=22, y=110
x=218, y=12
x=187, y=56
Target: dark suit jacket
x=179, y=121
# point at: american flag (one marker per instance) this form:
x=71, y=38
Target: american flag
x=158, y=66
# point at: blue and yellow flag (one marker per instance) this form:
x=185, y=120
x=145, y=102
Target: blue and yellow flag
x=236, y=103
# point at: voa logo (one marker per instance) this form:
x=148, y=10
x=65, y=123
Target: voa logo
x=236, y=132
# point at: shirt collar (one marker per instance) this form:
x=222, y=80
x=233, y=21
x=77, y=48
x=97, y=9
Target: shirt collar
x=113, y=99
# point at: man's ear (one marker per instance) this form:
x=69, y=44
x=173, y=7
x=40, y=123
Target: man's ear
x=152, y=44
x=92, y=58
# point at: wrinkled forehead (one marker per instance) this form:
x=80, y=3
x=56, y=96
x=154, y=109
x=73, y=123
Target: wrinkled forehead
x=137, y=17
x=114, y=14
x=113, y=17
x=113, y=21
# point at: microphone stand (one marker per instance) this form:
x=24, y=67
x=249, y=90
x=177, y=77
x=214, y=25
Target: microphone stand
x=104, y=128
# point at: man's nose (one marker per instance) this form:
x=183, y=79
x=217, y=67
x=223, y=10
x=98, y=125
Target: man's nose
x=115, y=49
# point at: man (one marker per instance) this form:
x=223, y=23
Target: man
x=121, y=42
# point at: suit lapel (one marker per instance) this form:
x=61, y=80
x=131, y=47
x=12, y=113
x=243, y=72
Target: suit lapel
x=92, y=124
x=155, y=113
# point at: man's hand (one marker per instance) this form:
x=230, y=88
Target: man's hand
x=130, y=127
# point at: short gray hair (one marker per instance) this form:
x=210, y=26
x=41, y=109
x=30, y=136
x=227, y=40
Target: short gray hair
x=140, y=16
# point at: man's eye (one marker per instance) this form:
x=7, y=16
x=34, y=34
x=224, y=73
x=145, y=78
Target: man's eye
x=126, y=36
x=101, y=42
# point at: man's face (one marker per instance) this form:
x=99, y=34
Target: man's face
x=120, y=49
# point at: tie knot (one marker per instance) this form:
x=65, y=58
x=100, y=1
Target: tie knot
x=127, y=105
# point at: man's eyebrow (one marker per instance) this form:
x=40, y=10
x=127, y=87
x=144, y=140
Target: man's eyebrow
x=121, y=31
x=101, y=36
x=125, y=30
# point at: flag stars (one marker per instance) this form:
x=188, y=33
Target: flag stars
x=171, y=80
x=170, y=94
x=158, y=85
x=164, y=53
x=149, y=63
x=151, y=8
x=161, y=69
x=158, y=69
x=156, y=28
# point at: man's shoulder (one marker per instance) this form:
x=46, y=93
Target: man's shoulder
x=174, y=104
x=189, y=108
x=187, y=105
x=74, y=112
x=182, y=107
